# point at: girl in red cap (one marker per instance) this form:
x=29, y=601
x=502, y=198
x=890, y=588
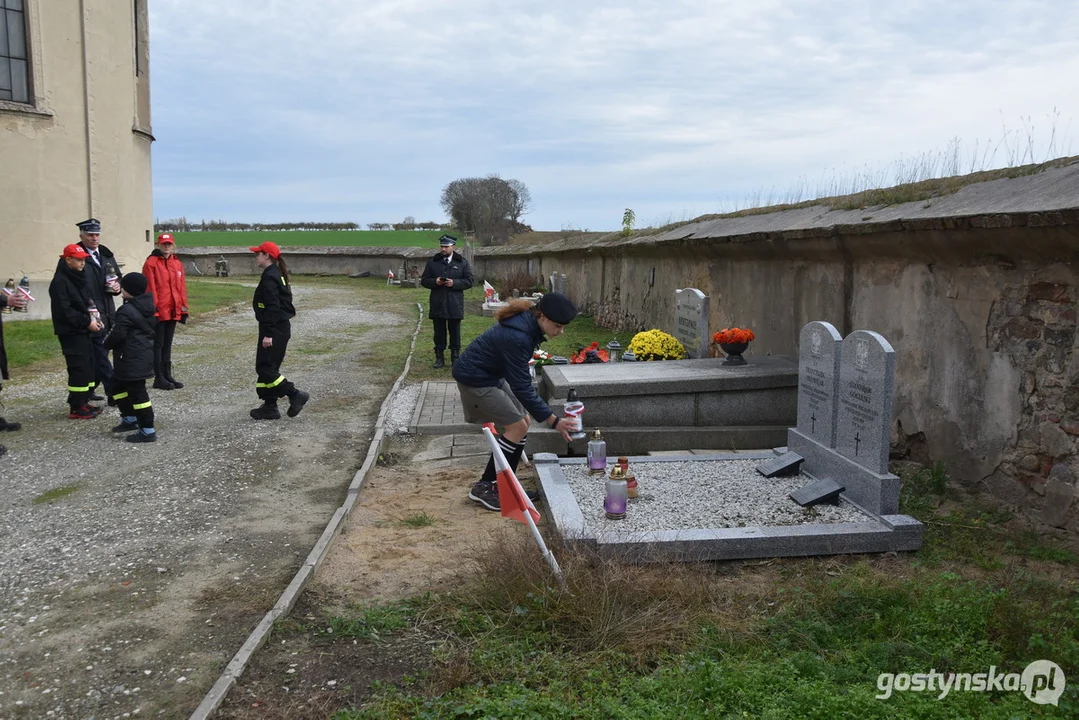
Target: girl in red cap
x=273, y=310
x=165, y=274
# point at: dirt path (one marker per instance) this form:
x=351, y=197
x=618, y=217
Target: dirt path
x=131, y=574
x=379, y=557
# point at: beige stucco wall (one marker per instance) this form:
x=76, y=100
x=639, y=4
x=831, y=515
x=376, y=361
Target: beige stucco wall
x=77, y=152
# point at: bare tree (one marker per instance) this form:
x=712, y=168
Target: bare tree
x=489, y=207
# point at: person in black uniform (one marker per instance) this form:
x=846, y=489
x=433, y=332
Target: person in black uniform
x=73, y=322
x=16, y=301
x=103, y=281
x=131, y=340
x=447, y=275
x=273, y=310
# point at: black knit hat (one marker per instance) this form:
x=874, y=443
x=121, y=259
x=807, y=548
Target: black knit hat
x=557, y=308
x=134, y=283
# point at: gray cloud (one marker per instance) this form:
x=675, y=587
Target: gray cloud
x=343, y=110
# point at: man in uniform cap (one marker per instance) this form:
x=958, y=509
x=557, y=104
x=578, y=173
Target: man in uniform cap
x=102, y=275
x=447, y=275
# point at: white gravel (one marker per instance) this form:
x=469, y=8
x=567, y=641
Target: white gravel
x=698, y=494
x=402, y=405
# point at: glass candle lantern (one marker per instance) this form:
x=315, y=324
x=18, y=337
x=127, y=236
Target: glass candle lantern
x=614, y=504
x=597, y=454
x=614, y=350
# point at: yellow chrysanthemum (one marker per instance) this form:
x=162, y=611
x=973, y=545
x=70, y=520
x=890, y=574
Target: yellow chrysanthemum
x=656, y=345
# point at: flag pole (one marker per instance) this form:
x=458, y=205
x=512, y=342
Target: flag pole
x=501, y=464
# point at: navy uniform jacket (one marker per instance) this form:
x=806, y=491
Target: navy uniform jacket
x=448, y=303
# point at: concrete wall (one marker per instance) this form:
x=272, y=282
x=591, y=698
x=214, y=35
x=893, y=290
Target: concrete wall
x=82, y=147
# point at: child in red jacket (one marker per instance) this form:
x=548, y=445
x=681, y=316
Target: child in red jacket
x=165, y=274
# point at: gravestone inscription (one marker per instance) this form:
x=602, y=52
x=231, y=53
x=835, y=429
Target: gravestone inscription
x=866, y=389
x=691, y=321
x=818, y=377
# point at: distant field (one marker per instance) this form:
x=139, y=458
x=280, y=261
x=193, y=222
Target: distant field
x=314, y=238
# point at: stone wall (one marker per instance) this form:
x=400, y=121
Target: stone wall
x=981, y=311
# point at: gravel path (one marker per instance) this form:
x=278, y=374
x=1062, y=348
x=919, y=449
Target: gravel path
x=702, y=494
x=130, y=574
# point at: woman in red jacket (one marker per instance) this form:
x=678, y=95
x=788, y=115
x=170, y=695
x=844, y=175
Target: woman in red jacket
x=165, y=274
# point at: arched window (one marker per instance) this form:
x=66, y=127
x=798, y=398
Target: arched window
x=14, y=58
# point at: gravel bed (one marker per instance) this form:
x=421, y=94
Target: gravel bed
x=402, y=405
x=702, y=494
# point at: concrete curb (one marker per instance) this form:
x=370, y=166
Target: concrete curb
x=213, y=699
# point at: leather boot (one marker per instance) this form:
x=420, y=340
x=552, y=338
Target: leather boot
x=454, y=354
x=167, y=374
x=440, y=359
x=162, y=383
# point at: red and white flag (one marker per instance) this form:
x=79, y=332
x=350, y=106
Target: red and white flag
x=511, y=496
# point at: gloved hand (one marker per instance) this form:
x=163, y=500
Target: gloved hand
x=183, y=319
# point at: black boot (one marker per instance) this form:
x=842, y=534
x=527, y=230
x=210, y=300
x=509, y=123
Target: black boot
x=162, y=383
x=440, y=359
x=454, y=354
x=9, y=426
x=167, y=374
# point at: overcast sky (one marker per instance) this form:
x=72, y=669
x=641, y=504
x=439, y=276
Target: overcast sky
x=363, y=110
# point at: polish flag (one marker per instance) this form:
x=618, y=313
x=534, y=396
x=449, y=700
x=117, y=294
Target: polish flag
x=511, y=496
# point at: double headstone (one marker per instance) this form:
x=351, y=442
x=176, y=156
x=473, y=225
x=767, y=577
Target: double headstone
x=845, y=391
x=691, y=321
x=558, y=282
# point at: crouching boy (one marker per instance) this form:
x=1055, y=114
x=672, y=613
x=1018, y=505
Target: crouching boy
x=131, y=340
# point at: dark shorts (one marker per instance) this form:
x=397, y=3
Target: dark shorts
x=496, y=405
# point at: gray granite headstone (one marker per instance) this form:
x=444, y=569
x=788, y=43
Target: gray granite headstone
x=691, y=321
x=818, y=379
x=866, y=388
x=558, y=282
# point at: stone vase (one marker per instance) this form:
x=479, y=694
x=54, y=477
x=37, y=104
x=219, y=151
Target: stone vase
x=734, y=353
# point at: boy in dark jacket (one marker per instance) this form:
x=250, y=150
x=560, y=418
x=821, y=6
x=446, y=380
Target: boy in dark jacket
x=131, y=340
x=74, y=318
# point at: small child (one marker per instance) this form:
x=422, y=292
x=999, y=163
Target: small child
x=132, y=343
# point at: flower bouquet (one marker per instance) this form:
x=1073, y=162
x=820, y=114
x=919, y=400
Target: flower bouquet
x=734, y=342
x=656, y=345
x=590, y=354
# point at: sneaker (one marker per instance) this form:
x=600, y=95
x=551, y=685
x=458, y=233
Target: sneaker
x=266, y=411
x=141, y=437
x=125, y=426
x=85, y=412
x=296, y=403
x=8, y=426
x=95, y=409
x=486, y=494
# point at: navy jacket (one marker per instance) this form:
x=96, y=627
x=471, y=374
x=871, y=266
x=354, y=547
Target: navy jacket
x=131, y=338
x=448, y=303
x=501, y=353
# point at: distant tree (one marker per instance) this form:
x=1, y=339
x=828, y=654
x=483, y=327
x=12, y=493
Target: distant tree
x=489, y=207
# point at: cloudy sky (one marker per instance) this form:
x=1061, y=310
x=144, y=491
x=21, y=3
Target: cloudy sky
x=363, y=110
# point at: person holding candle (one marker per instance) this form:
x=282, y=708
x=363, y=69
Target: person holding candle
x=496, y=387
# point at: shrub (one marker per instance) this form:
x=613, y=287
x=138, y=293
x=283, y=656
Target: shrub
x=516, y=280
x=656, y=345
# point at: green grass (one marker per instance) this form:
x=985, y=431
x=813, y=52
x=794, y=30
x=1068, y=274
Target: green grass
x=29, y=341
x=314, y=238
x=55, y=494
x=206, y=294
x=419, y=520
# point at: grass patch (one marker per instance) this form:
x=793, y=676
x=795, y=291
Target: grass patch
x=369, y=623
x=29, y=341
x=312, y=238
x=55, y=494
x=420, y=520
x=205, y=295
